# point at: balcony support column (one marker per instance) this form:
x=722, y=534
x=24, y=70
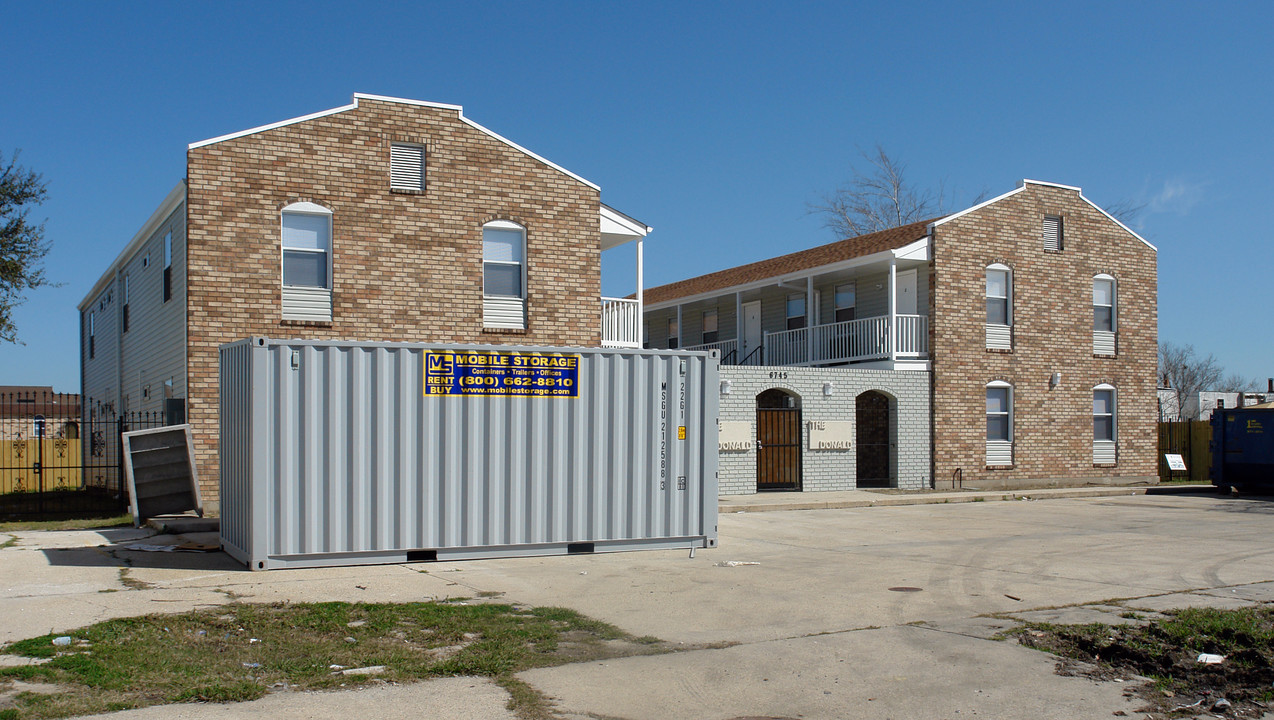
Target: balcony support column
x=893, y=310
x=809, y=319
x=641, y=308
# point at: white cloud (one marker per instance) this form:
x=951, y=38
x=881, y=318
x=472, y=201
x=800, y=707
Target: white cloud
x=1178, y=196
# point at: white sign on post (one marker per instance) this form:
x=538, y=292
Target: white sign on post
x=1175, y=462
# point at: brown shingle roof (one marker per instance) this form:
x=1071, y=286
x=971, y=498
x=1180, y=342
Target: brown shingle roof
x=793, y=262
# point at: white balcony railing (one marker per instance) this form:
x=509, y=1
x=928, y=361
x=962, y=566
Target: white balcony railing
x=848, y=341
x=621, y=322
x=725, y=346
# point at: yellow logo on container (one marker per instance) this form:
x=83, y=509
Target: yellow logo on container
x=438, y=364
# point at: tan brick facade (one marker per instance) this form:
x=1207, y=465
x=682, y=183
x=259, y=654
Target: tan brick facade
x=406, y=266
x=1052, y=323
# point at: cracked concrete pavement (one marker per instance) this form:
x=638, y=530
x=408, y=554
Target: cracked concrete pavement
x=819, y=627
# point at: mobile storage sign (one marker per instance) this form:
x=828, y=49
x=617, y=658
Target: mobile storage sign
x=501, y=373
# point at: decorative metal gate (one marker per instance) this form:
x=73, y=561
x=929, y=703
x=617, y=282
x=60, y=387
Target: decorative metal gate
x=871, y=430
x=60, y=459
x=778, y=442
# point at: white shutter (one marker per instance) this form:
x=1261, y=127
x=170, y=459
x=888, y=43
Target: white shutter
x=999, y=337
x=1052, y=233
x=407, y=167
x=999, y=452
x=1104, y=452
x=1103, y=342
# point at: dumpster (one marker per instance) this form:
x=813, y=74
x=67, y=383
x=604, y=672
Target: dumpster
x=1243, y=449
x=343, y=453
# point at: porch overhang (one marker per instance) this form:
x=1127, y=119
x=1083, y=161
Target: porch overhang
x=618, y=229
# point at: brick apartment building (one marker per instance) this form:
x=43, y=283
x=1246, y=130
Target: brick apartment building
x=382, y=220
x=1031, y=318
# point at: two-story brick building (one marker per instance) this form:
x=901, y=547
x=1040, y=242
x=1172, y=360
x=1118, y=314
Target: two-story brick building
x=1031, y=318
x=386, y=220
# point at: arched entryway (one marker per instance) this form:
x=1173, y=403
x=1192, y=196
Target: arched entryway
x=778, y=440
x=873, y=431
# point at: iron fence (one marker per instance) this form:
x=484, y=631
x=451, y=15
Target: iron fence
x=61, y=456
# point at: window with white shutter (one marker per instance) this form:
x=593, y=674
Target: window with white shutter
x=1052, y=233
x=406, y=167
x=999, y=307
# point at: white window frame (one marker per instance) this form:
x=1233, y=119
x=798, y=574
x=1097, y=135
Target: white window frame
x=307, y=302
x=999, y=336
x=1105, y=449
x=407, y=172
x=852, y=307
x=804, y=314
x=715, y=334
x=1054, y=241
x=505, y=311
x=999, y=451
x=1104, y=340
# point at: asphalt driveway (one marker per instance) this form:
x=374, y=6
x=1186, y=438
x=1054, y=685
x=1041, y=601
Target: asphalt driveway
x=868, y=612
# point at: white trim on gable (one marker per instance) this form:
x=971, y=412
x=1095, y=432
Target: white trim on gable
x=383, y=98
x=1022, y=186
x=271, y=126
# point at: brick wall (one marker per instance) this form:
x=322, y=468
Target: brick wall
x=1052, y=332
x=405, y=266
x=829, y=469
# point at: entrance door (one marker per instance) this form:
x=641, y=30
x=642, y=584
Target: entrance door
x=906, y=285
x=778, y=441
x=871, y=420
x=751, y=333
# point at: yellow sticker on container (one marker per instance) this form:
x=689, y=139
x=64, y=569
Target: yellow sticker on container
x=681, y=432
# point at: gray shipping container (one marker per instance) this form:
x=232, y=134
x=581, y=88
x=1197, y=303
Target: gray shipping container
x=341, y=453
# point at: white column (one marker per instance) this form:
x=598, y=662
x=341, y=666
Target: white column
x=809, y=319
x=738, y=328
x=681, y=330
x=641, y=308
x=893, y=310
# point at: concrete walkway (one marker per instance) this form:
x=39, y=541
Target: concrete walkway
x=770, y=501
x=875, y=612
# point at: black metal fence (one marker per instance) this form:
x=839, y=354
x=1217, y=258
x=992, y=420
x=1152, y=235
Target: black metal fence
x=61, y=457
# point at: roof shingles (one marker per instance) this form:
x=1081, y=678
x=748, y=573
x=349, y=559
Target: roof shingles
x=775, y=267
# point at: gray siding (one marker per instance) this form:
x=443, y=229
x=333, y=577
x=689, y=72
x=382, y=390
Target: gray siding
x=153, y=350
x=101, y=371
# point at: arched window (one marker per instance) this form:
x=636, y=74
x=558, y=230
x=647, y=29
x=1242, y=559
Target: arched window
x=307, y=262
x=504, y=274
x=1105, y=318
x=999, y=423
x=999, y=307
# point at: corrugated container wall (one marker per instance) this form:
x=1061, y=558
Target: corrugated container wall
x=337, y=453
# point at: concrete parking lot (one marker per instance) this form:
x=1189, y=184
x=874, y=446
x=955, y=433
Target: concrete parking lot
x=866, y=612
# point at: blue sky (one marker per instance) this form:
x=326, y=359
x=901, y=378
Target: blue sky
x=716, y=123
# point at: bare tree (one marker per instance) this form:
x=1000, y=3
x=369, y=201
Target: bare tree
x=1125, y=211
x=1236, y=383
x=1186, y=373
x=877, y=199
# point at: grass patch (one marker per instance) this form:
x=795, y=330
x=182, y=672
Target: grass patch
x=1167, y=651
x=242, y=651
x=71, y=524
x=13, y=540
x=127, y=580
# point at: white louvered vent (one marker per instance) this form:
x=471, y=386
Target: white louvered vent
x=1053, y=233
x=407, y=167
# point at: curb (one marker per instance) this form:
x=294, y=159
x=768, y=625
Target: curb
x=964, y=497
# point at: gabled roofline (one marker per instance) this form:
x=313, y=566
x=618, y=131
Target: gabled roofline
x=175, y=198
x=1022, y=186
x=383, y=98
x=636, y=226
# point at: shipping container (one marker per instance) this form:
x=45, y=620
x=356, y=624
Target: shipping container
x=342, y=453
x=1243, y=449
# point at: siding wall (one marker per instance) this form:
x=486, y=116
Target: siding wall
x=153, y=350
x=829, y=469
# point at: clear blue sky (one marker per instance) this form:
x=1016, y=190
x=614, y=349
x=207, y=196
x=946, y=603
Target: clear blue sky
x=714, y=122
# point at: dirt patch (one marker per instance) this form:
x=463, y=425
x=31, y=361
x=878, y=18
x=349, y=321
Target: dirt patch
x=1167, y=653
